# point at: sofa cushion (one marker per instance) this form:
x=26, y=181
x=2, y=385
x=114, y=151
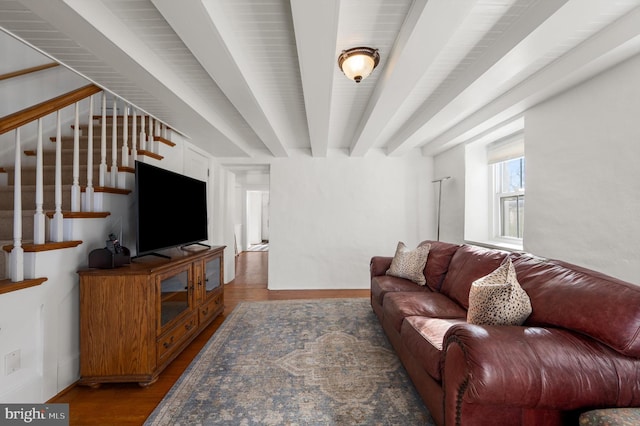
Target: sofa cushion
x=423, y=337
x=384, y=284
x=498, y=299
x=575, y=298
x=467, y=265
x=440, y=255
x=409, y=263
x=397, y=306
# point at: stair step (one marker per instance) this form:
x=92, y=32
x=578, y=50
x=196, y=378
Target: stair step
x=120, y=118
x=29, y=197
x=6, y=225
x=97, y=138
x=49, y=156
x=66, y=155
x=28, y=174
x=97, y=128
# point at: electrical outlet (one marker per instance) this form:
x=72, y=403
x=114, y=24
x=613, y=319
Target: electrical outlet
x=12, y=362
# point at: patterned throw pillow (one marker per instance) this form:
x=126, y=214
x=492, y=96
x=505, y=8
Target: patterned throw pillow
x=410, y=264
x=498, y=299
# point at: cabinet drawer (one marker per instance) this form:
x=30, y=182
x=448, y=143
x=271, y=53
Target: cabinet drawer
x=174, y=337
x=211, y=308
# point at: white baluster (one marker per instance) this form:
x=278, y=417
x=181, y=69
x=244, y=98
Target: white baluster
x=150, y=136
x=114, y=146
x=134, y=145
x=57, y=222
x=75, y=186
x=88, y=193
x=164, y=131
x=38, y=217
x=143, y=136
x=125, y=137
x=17, y=253
x=103, y=143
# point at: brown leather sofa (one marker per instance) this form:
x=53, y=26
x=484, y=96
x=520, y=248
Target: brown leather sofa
x=578, y=350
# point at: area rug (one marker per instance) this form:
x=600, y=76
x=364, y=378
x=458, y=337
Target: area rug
x=301, y=362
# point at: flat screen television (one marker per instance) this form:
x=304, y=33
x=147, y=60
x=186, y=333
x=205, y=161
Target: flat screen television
x=171, y=210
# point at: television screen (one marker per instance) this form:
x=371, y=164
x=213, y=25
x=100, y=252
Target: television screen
x=171, y=209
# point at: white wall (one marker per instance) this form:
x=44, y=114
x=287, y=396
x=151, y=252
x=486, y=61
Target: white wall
x=451, y=163
x=254, y=217
x=583, y=180
x=224, y=216
x=24, y=91
x=329, y=216
x=264, y=216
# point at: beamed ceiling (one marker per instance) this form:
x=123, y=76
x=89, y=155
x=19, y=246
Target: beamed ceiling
x=253, y=80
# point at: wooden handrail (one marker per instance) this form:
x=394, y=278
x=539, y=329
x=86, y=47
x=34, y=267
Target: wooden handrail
x=28, y=70
x=27, y=115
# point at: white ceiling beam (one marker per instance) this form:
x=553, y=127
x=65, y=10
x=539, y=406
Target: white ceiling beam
x=547, y=26
x=197, y=30
x=489, y=72
x=316, y=28
x=614, y=44
x=102, y=33
x=411, y=57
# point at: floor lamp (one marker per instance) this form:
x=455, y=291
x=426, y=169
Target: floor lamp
x=439, y=201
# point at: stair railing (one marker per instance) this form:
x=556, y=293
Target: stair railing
x=14, y=122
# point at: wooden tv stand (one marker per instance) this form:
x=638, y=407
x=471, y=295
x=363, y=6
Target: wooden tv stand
x=135, y=319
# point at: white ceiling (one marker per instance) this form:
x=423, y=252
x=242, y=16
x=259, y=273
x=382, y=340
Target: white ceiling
x=251, y=80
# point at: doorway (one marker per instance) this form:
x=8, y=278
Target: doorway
x=257, y=220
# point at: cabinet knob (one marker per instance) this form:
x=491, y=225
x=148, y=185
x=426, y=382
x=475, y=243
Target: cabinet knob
x=169, y=343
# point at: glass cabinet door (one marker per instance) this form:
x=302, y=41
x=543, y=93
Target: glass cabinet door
x=174, y=296
x=212, y=275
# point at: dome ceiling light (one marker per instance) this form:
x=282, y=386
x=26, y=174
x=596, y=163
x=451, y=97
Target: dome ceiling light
x=357, y=63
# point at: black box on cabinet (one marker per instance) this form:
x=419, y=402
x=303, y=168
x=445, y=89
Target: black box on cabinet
x=105, y=259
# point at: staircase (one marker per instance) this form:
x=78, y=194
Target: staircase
x=65, y=161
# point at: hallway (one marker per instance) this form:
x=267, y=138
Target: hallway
x=250, y=284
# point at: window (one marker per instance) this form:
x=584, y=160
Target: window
x=509, y=201
x=494, y=184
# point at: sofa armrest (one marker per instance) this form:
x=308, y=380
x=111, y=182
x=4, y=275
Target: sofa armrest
x=379, y=265
x=532, y=367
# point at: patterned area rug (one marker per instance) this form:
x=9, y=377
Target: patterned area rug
x=303, y=362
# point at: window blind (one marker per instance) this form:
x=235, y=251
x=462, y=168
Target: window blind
x=506, y=148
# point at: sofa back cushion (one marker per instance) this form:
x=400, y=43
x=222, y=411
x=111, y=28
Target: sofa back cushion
x=576, y=298
x=438, y=262
x=467, y=265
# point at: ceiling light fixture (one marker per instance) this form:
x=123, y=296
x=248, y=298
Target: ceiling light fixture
x=357, y=63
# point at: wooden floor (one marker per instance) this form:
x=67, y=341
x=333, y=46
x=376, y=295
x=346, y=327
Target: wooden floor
x=129, y=404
